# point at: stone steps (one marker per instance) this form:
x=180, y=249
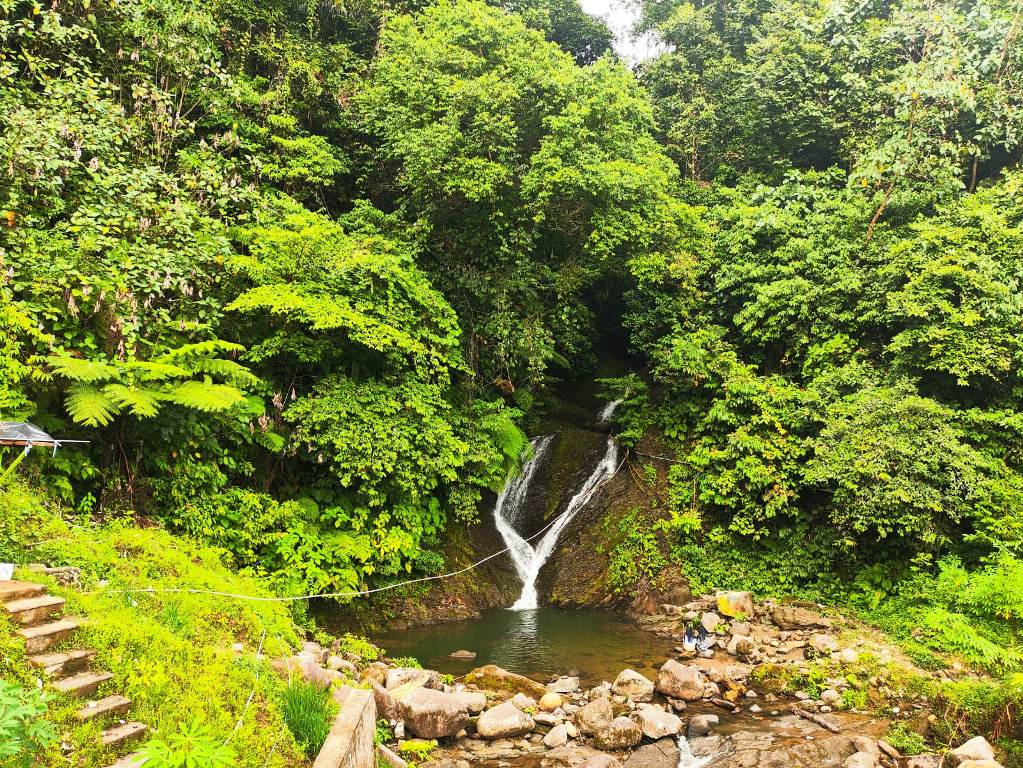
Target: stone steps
x=62, y=664
x=111, y=705
x=133, y=760
x=82, y=684
x=19, y=590
x=122, y=734
x=42, y=637
x=32, y=610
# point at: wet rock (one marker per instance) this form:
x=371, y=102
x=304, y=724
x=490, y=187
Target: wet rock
x=701, y=725
x=432, y=714
x=679, y=681
x=793, y=617
x=734, y=604
x=463, y=654
x=495, y=678
x=522, y=701
x=600, y=761
x=550, y=701
x=976, y=748
x=504, y=721
x=620, y=733
x=594, y=716
x=564, y=685
x=556, y=737
x=656, y=723
x=633, y=685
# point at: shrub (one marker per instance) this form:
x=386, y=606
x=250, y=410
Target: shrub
x=23, y=729
x=191, y=746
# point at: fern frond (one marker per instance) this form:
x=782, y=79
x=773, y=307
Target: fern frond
x=154, y=371
x=201, y=349
x=90, y=406
x=77, y=369
x=205, y=396
x=270, y=440
x=228, y=370
x=144, y=403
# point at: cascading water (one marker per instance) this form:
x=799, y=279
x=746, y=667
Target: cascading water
x=529, y=559
x=686, y=758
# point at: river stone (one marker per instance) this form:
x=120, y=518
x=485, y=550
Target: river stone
x=550, y=701
x=556, y=737
x=463, y=654
x=656, y=723
x=399, y=676
x=980, y=764
x=678, y=681
x=522, y=701
x=866, y=744
x=594, y=716
x=600, y=761
x=375, y=672
x=793, y=617
x=823, y=643
x=432, y=714
x=701, y=725
x=662, y=754
x=473, y=702
x=861, y=760
x=924, y=761
x=710, y=620
x=564, y=685
x=504, y=721
x=633, y=685
x=740, y=645
x=734, y=604
x=620, y=733
x=493, y=677
x=976, y=748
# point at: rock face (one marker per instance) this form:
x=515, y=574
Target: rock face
x=594, y=716
x=620, y=733
x=495, y=678
x=504, y=721
x=633, y=685
x=678, y=681
x=432, y=714
x=656, y=723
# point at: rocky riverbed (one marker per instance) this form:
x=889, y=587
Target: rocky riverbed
x=770, y=685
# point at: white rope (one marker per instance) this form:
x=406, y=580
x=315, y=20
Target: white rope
x=362, y=593
x=248, y=701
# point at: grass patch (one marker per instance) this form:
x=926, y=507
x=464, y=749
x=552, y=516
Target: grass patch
x=309, y=711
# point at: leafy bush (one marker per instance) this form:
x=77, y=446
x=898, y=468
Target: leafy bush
x=308, y=711
x=906, y=740
x=24, y=730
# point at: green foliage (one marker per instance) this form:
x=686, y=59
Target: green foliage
x=906, y=740
x=192, y=746
x=308, y=710
x=633, y=550
x=24, y=729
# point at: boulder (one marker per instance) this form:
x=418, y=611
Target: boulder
x=633, y=685
x=924, y=761
x=387, y=706
x=399, y=676
x=830, y=696
x=740, y=645
x=678, y=681
x=848, y=656
x=656, y=723
x=375, y=672
x=492, y=677
x=710, y=621
x=734, y=604
x=861, y=760
x=463, y=654
x=980, y=764
x=522, y=701
x=620, y=733
x=550, y=701
x=432, y=714
x=599, y=761
x=976, y=748
x=661, y=754
x=564, y=685
x=504, y=721
x=556, y=737
x=594, y=716
x=823, y=643
x=701, y=725
x=866, y=744
x=793, y=617
x=472, y=702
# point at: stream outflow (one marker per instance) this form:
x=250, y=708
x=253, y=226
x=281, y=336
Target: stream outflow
x=529, y=559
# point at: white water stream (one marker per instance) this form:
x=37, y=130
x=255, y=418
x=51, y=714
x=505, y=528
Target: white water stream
x=529, y=559
x=686, y=758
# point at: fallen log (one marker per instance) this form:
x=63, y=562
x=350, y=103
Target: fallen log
x=816, y=719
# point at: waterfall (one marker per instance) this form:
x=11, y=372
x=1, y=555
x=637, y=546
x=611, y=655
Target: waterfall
x=529, y=559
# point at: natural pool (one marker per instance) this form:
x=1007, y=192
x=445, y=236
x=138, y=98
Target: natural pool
x=537, y=643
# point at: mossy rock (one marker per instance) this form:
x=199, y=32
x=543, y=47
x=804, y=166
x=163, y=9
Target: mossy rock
x=494, y=678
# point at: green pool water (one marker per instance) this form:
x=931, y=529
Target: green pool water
x=537, y=643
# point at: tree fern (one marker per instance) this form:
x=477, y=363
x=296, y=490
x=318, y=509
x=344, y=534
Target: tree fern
x=228, y=370
x=78, y=369
x=150, y=370
x=90, y=406
x=144, y=403
x=201, y=349
x=205, y=396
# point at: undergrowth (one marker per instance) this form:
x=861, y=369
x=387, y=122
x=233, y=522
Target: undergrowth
x=309, y=711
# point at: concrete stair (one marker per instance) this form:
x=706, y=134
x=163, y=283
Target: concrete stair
x=69, y=671
x=122, y=734
x=42, y=637
x=83, y=684
x=62, y=664
x=110, y=705
x=32, y=610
